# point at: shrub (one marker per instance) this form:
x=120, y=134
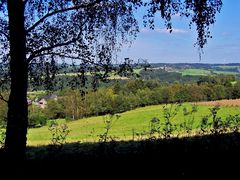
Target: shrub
x=108, y=121
x=59, y=133
x=54, y=110
x=154, y=128
x=37, y=119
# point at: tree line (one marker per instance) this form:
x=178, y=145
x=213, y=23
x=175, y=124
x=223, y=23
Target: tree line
x=122, y=96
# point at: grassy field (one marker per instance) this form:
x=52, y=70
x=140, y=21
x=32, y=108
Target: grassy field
x=137, y=71
x=228, y=67
x=196, y=72
x=111, y=75
x=35, y=94
x=230, y=103
x=89, y=129
x=202, y=72
x=226, y=72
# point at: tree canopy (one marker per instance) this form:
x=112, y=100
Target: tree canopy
x=90, y=31
x=81, y=32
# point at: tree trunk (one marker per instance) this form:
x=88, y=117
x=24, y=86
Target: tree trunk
x=15, y=144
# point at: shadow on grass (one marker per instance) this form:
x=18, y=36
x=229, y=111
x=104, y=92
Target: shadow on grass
x=200, y=156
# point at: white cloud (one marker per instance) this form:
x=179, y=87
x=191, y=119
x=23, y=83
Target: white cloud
x=160, y=30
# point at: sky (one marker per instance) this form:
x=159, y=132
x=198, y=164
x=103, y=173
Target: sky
x=159, y=46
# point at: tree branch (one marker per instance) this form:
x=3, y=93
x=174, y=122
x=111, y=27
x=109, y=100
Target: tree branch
x=76, y=7
x=3, y=99
x=58, y=54
x=38, y=52
x=5, y=34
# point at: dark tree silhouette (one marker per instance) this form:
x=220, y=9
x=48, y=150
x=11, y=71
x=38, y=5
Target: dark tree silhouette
x=37, y=35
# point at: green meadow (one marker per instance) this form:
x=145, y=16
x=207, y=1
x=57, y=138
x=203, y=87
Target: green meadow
x=122, y=128
x=203, y=72
x=196, y=72
x=228, y=67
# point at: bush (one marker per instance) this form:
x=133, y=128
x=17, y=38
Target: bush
x=59, y=133
x=37, y=119
x=54, y=110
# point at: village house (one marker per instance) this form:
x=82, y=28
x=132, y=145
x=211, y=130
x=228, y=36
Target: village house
x=42, y=101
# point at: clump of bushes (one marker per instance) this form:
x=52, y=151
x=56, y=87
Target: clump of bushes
x=36, y=117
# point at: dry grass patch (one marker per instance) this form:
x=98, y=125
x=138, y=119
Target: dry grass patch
x=227, y=102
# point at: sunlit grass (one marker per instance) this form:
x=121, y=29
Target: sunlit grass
x=203, y=72
x=89, y=129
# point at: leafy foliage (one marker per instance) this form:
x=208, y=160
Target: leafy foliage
x=169, y=113
x=154, y=128
x=2, y=136
x=59, y=133
x=124, y=96
x=88, y=33
x=84, y=32
x=201, y=13
x=189, y=119
x=37, y=119
x=108, y=121
x=3, y=113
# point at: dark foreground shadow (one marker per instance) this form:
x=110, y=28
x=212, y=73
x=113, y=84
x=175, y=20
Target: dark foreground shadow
x=212, y=155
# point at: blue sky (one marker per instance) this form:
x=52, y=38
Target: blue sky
x=160, y=46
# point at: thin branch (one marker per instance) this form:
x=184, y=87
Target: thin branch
x=5, y=34
x=58, y=54
x=63, y=56
x=38, y=52
x=41, y=20
x=3, y=99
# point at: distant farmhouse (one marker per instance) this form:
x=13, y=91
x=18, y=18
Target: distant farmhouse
x=42, y=101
